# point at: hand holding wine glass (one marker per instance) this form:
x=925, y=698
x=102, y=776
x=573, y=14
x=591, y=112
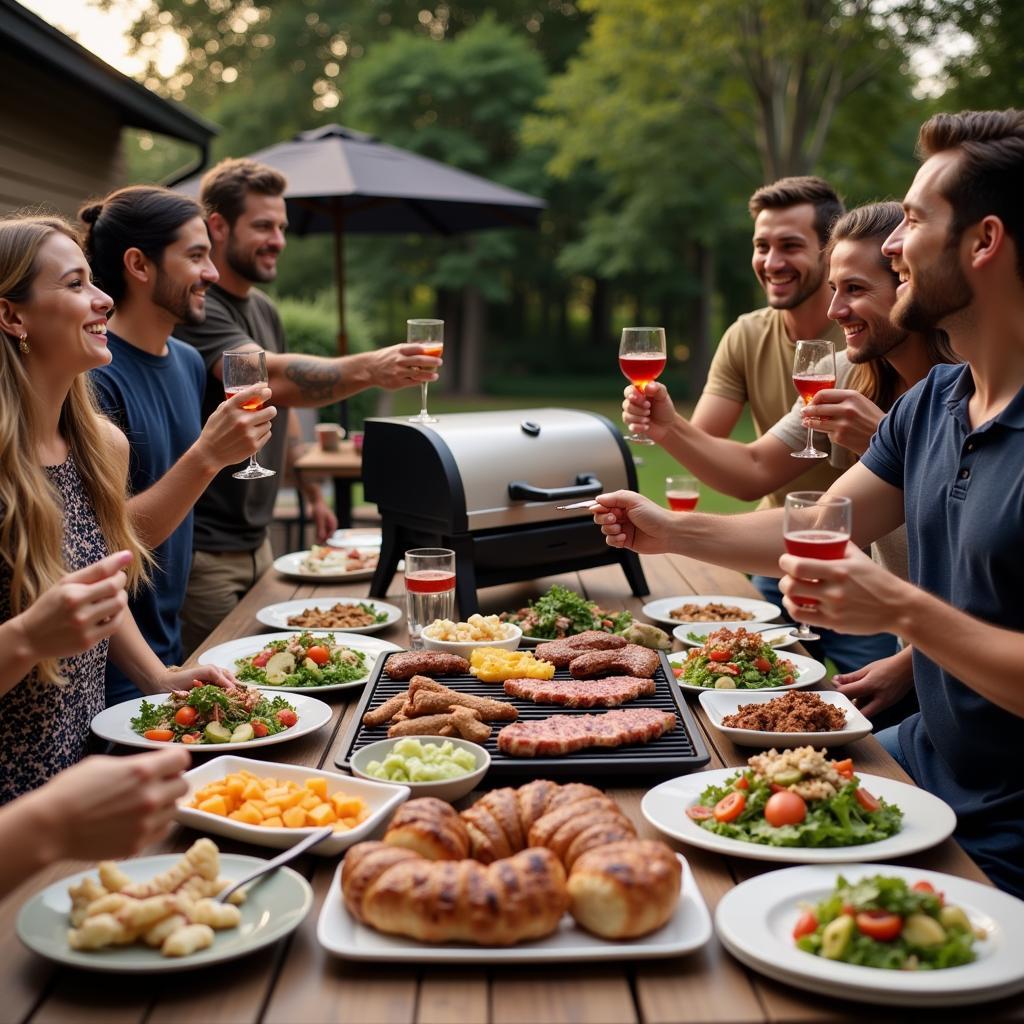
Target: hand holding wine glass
x=241, y=369
x=816, y=525
x=642, y=357
x=814, y=370
x=430, y=335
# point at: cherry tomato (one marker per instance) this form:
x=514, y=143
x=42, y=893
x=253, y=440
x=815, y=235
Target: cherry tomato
x=741, y=783
x=321, y=655
x=259, y=729
x=785, y=808
x=806, y=924
x=677, y=671
x=844, y=767
x=762, y=665
x=698, y=812
x=848, y=910
x=786, y=680
x=190, y=737
x=260, y=660
x=730, y=807
x=163, y=735
x=927, y=887
x=286, y=717
x=866, y=800
x=185, y=715
x=718, y=655
x=881, y=925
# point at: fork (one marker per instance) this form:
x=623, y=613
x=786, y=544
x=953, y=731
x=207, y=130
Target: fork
x=282, y=858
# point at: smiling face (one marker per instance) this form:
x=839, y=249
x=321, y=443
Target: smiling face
x=863, y=293
x=787, y=256
x=65, y=315
x=184, y=273
x=256, y=239
x=925, y=254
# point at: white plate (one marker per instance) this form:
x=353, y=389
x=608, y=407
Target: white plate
x=761, y=610
x=719, y=703
x=114, y=724
x=277, y=615
x=755, y=923
x=291, y=566
x=381, y=798
x=784, y=634
x=688, y=929
x=355, y=538
x=225, y=655
x=809, y=673
x=275, y=907
x=927, y=820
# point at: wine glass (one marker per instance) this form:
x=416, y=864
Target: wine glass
x=429, y=334
x=682, y=492
x=242, y=368
x=814, y=370
x=642, y=359
x=816, y=525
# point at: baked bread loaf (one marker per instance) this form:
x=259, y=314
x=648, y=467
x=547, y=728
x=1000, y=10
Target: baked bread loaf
x=496, y=874
x=626, y=889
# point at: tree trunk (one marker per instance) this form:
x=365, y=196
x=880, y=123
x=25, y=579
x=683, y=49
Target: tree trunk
x=447, y=307
x=474, y=311
x=700, y=355
x=600, y=314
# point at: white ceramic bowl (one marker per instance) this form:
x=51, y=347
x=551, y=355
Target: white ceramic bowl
x=464, y=648
x=448, y=789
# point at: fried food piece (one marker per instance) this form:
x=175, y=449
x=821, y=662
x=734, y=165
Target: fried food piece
x=188, y=940
x=429, y=697
x=406, y=664
x=383, y=714
x=468, y=726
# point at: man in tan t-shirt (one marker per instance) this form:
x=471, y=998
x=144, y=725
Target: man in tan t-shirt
x=754, y=360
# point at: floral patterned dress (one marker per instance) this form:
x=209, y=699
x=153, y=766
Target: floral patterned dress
x=44, y=727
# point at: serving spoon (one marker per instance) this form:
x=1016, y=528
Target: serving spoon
x=282, y=858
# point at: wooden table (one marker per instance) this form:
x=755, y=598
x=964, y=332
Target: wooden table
x=344, y=467
x=296, y=981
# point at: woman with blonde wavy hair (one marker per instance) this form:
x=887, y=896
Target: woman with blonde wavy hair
x=62, y=508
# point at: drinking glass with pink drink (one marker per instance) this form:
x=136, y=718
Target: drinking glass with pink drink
x=429, y=587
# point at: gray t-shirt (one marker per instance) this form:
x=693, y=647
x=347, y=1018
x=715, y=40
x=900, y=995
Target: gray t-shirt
x=233, y=515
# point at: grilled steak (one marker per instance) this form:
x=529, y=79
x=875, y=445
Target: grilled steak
x=573, y=693
x=631, y=660
x=407, y=664
x=561, y=652
x=562, y=734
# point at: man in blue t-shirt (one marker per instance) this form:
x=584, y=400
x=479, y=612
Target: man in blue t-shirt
x=949, y=460
x=150, y=248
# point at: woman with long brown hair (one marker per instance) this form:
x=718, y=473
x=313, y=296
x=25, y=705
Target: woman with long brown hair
x=62, y=507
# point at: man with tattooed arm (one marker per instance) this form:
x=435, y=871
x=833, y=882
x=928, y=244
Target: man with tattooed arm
x=246, y=219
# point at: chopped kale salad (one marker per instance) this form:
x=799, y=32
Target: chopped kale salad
x=303, y=660
x=562, y=612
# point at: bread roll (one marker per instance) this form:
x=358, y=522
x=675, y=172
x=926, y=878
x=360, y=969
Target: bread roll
x=625, y=889
x=431, y=828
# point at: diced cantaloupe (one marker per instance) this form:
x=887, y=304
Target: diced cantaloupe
x=344, y=806
x=252, y=790
x=248, y=813
x=285, y=800
x=309, y=801
x=318, y=786
x=215, y=805
x=294, y=817
x=322, y=814
x=274, y=822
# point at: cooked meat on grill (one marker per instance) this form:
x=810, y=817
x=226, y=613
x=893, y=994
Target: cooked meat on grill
x=406, y=664
x=427, y=697
x=575, y=693
x=562, y=734
x=797, y=711
x=631, y=660
x=561, y=652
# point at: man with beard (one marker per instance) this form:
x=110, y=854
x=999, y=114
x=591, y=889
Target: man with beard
x=754, y=361
x=947, y=460
x=246, y=219
x=150, y=248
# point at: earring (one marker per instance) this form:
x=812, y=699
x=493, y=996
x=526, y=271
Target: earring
x=23, y=344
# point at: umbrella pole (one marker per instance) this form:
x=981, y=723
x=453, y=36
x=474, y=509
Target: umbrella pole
x=339, y=274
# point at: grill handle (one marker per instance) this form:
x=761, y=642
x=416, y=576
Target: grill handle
x=586, y=486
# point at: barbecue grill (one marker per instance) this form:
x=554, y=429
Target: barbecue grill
x=486, y=484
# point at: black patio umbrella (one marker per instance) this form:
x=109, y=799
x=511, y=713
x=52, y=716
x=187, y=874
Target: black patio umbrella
x=343, y=181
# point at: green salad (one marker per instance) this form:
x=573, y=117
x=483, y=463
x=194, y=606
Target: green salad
x=303, y=660
x=795, y=798
x=883, y=922
x=736, y=659
x=562, y=612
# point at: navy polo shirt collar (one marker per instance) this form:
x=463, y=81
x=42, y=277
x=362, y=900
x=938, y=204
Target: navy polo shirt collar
x=1012, y=416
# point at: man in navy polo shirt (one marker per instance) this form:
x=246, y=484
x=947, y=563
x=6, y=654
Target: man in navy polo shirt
x=949, y=460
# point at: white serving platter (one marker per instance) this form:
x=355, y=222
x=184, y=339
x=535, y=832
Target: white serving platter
x=687, y=930
x=809, y=672
x=774, y=635
x=277, y=615
x=762, y=611
x=720, y=703
x=291, y=566
x=927, y=821
x=381, y=798
x=755, y=923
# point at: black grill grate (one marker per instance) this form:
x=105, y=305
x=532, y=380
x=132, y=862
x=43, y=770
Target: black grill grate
x=679, y=751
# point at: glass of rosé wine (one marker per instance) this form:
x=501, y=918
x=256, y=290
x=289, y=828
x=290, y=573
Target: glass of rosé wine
x=430, y=335
x=642, y=357
x=429, y=588
x=241, y=368
x=682, y=492
x=816, y=525
x=814, y=370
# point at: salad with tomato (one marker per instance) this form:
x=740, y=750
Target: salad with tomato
x=736, y=659
x=214, y=714
x=883, y=922
x=303, y=660
x=798, y=797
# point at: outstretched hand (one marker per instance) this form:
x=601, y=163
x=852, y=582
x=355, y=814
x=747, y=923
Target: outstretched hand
x=400, y=366
x=629, y=520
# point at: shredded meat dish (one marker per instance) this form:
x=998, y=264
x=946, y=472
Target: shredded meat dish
x=341, y=616
x=713, y=612
x=797, y=711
